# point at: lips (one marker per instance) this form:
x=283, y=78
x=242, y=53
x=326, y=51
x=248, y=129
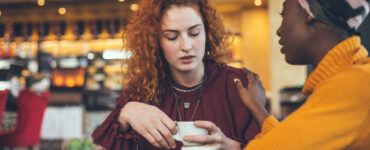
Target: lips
x=282, y=48
x=187, y=57
x=282, y=51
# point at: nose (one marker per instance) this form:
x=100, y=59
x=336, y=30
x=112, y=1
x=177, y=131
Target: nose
x=186, y=43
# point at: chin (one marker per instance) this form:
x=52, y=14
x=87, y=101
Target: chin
x=289, y=61
x=295, y=62
x=186, y=67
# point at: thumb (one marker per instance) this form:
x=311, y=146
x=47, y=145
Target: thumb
x=238, y=84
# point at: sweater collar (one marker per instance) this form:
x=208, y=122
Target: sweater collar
x=342, y=56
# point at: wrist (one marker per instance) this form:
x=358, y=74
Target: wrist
x=260, y=114
x=235, y=145
x=124, y=125
x=122, y=118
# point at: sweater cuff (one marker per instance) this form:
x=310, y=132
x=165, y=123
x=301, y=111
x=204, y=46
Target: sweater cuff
x=129, y=134
x=269, y=124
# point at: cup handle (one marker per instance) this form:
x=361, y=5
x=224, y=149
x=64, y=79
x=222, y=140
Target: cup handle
x=177, y=135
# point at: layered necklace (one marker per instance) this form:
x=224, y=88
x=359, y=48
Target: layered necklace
x=188, y=103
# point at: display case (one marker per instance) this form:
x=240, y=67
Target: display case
x=104, y=79
x=67, y=80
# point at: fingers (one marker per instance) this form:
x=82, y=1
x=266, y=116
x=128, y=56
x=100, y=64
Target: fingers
x=171, y=125
x=153, y=124
x=245, y=70
x=211, y=127
x=203, y=139
x=252, y=78
x=168, y=128
x=166, y=133
x=258, y=80
x=238, y=84
x=215, y=136
x=256, y=76
x=158, y=130
x=158, y=138
x=150, y=139
x=161, y=132
x=241, y=89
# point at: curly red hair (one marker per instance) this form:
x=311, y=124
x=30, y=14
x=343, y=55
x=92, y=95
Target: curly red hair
x=147, y=72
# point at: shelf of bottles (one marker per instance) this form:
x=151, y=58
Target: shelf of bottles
x=60, y=38
x=84, y=52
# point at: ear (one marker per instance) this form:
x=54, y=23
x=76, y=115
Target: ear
x=305, y=11
x=309, y=19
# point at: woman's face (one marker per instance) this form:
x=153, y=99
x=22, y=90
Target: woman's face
x=295, y=37
x=183, y=38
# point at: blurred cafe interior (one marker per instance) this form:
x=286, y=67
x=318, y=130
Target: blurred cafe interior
x=74, y=50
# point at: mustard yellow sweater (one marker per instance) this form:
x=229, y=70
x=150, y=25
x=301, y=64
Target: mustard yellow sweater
x=336, y=114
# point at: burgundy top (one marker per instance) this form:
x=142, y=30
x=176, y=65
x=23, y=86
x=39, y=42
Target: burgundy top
x=220, y=104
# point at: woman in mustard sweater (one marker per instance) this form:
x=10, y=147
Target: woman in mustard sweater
x=322, y=33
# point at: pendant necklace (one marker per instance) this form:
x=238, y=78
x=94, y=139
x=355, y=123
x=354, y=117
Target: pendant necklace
x=188, y=103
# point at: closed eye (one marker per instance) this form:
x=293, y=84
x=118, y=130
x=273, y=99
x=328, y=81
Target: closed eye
x=195, y=31
x=194, y=34
x=172, y=38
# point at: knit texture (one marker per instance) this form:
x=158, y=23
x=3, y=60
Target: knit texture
x=336, y=114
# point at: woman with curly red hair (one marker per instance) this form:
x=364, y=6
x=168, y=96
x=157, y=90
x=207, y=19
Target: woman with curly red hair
x=177, y=72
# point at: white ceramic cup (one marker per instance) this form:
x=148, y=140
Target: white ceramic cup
x=185, y=128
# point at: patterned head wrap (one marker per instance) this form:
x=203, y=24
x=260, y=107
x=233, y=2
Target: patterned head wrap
x=345, y=16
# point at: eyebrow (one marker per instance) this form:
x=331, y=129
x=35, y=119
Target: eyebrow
x=192, y=27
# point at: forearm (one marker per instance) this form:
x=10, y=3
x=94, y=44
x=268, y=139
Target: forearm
x=259, y=113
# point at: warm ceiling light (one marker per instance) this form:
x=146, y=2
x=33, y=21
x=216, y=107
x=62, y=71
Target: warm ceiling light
x=62, y=10
x=41, y=2
x=258, y=2
x=1, y=13
x=121, y=1
x=25, y=73
x=134, y=7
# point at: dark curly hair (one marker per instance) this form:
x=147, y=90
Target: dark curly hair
x=148, y=73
